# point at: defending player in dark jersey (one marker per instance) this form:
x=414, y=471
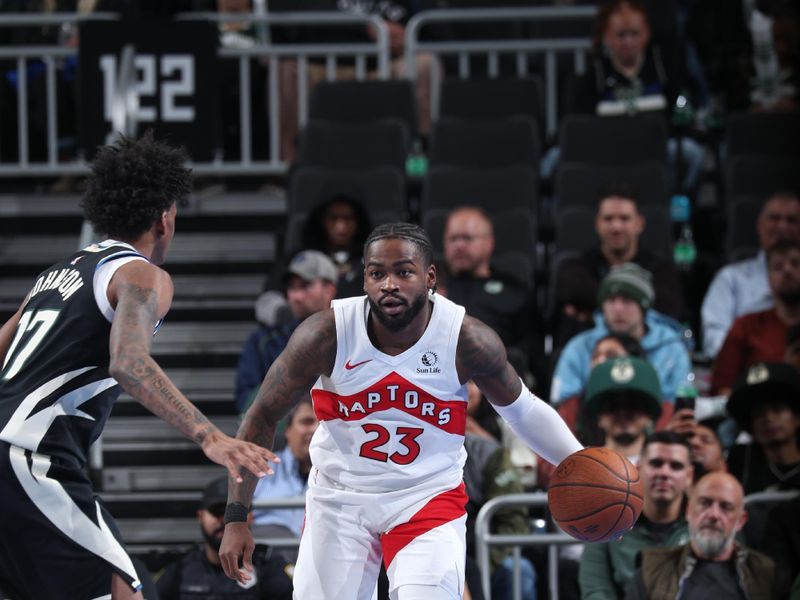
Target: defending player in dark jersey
x=81, y=334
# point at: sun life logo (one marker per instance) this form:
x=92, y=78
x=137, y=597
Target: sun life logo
x=428, y=361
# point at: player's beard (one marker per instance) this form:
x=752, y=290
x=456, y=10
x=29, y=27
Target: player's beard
x=213, y=539
x=711, y=541
x=398, y=322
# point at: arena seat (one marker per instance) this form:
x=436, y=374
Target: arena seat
x=364, y=101
x=491, y=189
x=354, y=145
x=764, y=134
x=485, y=144
x=613, y=141
x=580, y=184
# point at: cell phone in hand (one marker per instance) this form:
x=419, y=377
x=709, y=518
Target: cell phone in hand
x=684, y=402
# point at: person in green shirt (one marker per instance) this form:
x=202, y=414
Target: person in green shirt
x=666, y=470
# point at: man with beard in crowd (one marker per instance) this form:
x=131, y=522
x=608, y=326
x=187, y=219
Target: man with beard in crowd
x=712, y=564
x=606, y=569
x=761, y=336
x=199, y=575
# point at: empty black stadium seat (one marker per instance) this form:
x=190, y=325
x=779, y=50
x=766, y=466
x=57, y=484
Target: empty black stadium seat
x=613, y=140
x=491, y=189
x=354, y=145
x=499, y=143
x=486, y=99
x=770, y=134
x=741, y=240
x=364, y=101
x=580, y=185
x=760, y=175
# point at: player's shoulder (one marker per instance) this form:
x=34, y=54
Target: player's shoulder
x=477, y=342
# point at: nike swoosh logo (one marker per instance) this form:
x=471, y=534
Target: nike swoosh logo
x=349, y=366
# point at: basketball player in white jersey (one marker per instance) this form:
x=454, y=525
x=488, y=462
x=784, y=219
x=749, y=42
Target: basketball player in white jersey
x=387, y=375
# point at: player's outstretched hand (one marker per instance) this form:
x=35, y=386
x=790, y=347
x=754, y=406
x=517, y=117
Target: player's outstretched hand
x=237, y=543
x=233, y=454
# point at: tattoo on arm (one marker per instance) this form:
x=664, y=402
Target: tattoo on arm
x=311, y=352
x=136, y=371
x=481, y=356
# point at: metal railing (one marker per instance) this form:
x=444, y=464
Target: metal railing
x=124, y=100
x=484, y=539
x=124, y=105
x=521, y=48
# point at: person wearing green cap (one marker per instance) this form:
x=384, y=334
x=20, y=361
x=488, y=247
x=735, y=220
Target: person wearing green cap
x=623, y=397
x=625, y=297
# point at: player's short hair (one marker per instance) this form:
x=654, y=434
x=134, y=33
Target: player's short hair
x=403, y=231
x=132, y=182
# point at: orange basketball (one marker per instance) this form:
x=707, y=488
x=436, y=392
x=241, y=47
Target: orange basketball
x=595, y=495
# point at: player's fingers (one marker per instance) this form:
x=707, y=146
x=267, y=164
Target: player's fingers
x=247, y=557
x=230, y=563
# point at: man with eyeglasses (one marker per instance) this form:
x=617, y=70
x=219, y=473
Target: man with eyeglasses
x=606, y=570
x=500, y=297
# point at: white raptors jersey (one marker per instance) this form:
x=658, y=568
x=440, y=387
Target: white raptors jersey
x=391, y=422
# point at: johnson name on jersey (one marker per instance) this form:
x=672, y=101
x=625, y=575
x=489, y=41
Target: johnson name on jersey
x=55, y=390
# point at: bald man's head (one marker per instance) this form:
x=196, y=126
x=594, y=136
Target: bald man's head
x=468, y=242
x=715, y=514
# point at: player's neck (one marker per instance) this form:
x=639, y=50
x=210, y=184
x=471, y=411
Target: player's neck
x=396, y=342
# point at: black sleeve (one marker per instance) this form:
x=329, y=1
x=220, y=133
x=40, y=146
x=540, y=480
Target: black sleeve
x=636, y=589
x=169, y=583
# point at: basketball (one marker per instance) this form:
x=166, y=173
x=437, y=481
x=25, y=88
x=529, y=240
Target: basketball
x=596, y=495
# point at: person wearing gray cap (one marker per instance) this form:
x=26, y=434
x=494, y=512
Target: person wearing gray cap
x=625, y=298
x=310, y=282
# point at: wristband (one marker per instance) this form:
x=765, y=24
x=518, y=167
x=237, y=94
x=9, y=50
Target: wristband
x=236, y=512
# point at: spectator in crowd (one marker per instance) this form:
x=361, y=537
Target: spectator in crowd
x=619, y=225
x=336, y=227
x=339, y=228
x=200, y=574
x=623, y=398
x=782, y=536
x=496, y=297
x=290, y=479
x=792, y=353
x=488, y=473
x=711, y=564
x=761, y=336
x=775, y=33
x=630, y=75
x=765, y=402
x=707, y=452
x=625, y=297
x=743, y=287
x=611, y=345
x=606, y=570
x=395, y=14
x=310, y=287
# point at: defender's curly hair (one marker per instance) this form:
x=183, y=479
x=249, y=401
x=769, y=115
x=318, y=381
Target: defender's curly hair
x=404, y=231
x=132, y=183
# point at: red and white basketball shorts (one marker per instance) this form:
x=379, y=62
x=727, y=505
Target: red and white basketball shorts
x=420, y=533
